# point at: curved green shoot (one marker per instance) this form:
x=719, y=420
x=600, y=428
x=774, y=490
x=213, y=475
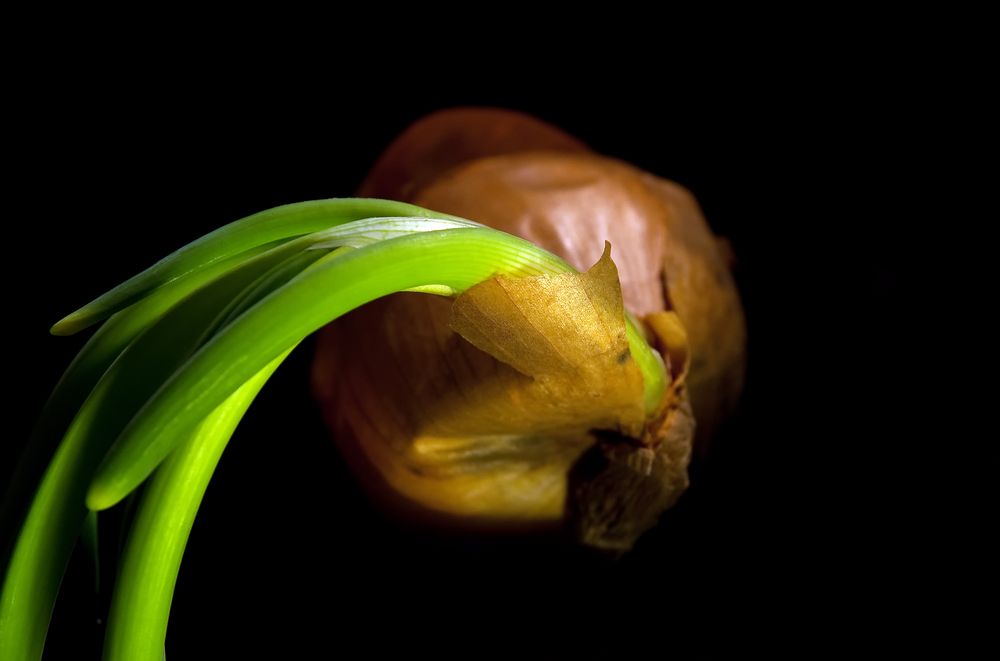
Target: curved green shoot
x=140, y=607
x=83, y=373
x=46, y=539
x=280, y=223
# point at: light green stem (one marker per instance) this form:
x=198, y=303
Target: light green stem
x=277, y=224
x=45, y=542
x=80, y=378
x=140, y=607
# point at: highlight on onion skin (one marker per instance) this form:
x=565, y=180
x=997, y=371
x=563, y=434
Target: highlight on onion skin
x=529, y=179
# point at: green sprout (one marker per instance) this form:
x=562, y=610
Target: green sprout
x=157, y=391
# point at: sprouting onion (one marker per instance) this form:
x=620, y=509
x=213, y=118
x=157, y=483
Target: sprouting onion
x=187, y=345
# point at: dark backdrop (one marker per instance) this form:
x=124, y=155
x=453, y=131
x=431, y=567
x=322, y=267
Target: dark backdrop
x=112, y=172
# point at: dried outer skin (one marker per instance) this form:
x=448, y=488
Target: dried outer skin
x=487, y=421
x=570, y=203
x=394, y=367
x=620, y=488
x=454, y=136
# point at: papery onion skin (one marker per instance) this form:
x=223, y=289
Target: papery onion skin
x=570, y=203
x=517, y=174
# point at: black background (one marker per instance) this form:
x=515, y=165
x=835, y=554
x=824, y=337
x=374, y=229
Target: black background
x=114, y=170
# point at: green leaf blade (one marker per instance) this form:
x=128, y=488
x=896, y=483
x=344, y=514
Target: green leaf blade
x=143, y=594
x=43, y=546
x=278, y=224
x=80, y=378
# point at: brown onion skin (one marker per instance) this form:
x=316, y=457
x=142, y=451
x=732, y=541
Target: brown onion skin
x=447, y=138
x=518, y=174
x=570, y=203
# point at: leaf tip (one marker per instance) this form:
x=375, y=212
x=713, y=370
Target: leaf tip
x=99, y=497
x=70, y=324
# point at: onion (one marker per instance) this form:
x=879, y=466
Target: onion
x=392, y=375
